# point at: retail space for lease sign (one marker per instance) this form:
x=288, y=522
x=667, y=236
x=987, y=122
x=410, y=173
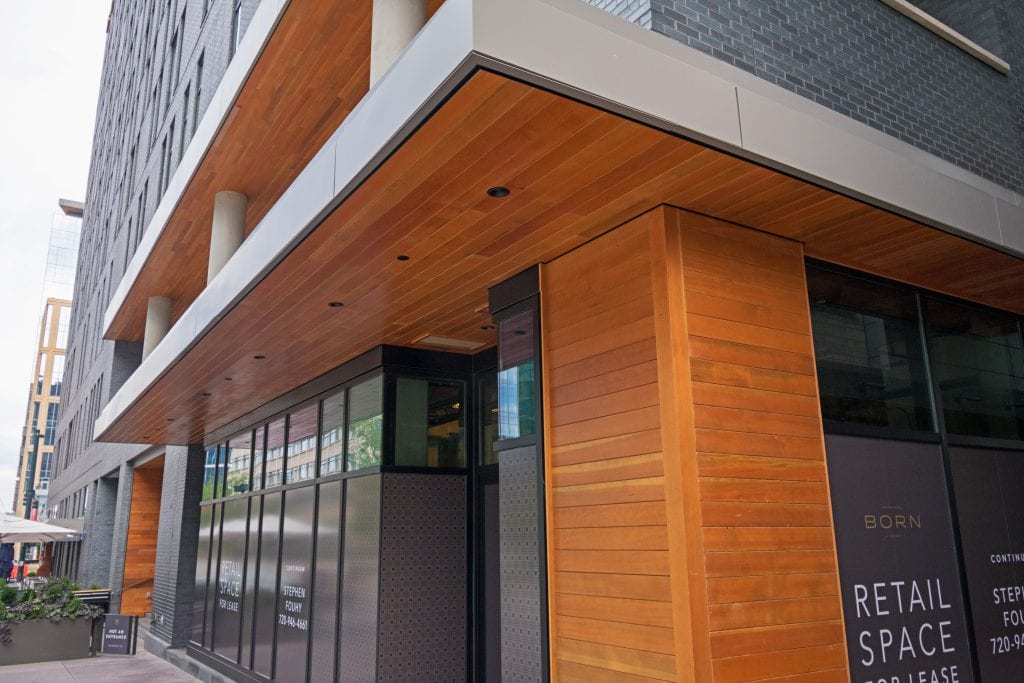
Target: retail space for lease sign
x=989, y=489
x=902, y=597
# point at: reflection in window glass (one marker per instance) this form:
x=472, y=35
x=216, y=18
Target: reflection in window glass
x=488, y=419
x=429, y=431
x=274, y=469
x=979, y=368
x=516, y=374
x=210, y=474
x=365, y=425
x=257, y=459
x=302, y=444
x=332, y=445
x=222, y=468
x=239, y=463
x=867, y=345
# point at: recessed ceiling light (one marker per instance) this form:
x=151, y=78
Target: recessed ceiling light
x=402, y=257
x=259, y=357
x=335, y=304
x=498, y=192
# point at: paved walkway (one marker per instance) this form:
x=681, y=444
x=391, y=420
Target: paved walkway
x=100, y=669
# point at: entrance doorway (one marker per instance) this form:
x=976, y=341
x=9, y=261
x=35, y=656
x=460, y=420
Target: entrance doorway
x=140, y=548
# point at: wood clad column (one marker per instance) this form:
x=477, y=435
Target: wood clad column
x=689, y=507
x=143, y=527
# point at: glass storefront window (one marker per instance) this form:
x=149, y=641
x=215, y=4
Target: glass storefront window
x=516, y=377
x=302, y=444
x=429, y=429
x=257, y=458
x=332, y=445
x=365, y=425
x=488, y=419
x=210, y=474
x=979, y=369
x=239, y=463
x=274, y=469
x=870, y=360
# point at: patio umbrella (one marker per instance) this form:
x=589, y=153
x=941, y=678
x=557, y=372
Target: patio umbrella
x=17, y=530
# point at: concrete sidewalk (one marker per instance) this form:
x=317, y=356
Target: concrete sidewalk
x=100, y=669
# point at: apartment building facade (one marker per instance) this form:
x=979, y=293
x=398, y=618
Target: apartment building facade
x=522, y=341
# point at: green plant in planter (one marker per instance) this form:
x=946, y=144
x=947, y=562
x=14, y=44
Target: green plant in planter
x=54, y=601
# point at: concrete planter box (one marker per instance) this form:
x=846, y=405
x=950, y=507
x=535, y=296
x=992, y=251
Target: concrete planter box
x=45, y=641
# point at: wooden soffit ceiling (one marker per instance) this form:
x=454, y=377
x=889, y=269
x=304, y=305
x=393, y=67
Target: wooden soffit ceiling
x=574, y=172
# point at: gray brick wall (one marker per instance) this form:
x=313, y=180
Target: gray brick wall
x=636, y=11
x=864, y=60
x=94, y=565
x=119, y=535
x=178, y=537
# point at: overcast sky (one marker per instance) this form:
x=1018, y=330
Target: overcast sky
x=51, y=54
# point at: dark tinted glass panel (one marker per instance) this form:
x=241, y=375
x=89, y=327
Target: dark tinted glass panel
x=325, y=583
x=365, y=424
x=293, y=602
x=266, y=598
x=274, y=469
x=258, y=452
x=302, y=444
x=211, y=600
x=228, y=596
x=358, y=649
x=202, y=569
x=249, y=583
x=488, y=419
x=516, y=377
x=332, y=441
x=979, y=367
x=239, y=463
x=429, y=430
x=210, y=474
x=870, y=359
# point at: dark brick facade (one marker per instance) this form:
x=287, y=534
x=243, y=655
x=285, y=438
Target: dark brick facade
x=865, y=60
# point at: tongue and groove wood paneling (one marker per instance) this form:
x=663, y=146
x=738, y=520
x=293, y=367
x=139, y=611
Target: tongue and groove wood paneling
x=689, y=523
x=769, y=549
x=140, y=549
x=611, y=593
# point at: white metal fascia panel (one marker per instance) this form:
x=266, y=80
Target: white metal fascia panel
x=810, y=146
x=582, y=51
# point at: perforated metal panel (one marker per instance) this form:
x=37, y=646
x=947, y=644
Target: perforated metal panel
x=521, y=534
x=424, y=583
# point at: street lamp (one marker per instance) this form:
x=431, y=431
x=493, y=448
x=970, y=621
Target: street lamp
x=30, y=491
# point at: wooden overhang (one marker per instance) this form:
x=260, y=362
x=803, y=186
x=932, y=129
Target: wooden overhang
x=574, y=170
x=313, y=71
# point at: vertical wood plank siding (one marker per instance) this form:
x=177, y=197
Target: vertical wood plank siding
x=140, y=550
x=691, y=536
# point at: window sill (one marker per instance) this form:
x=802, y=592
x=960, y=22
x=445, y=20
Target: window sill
x=943, y=31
